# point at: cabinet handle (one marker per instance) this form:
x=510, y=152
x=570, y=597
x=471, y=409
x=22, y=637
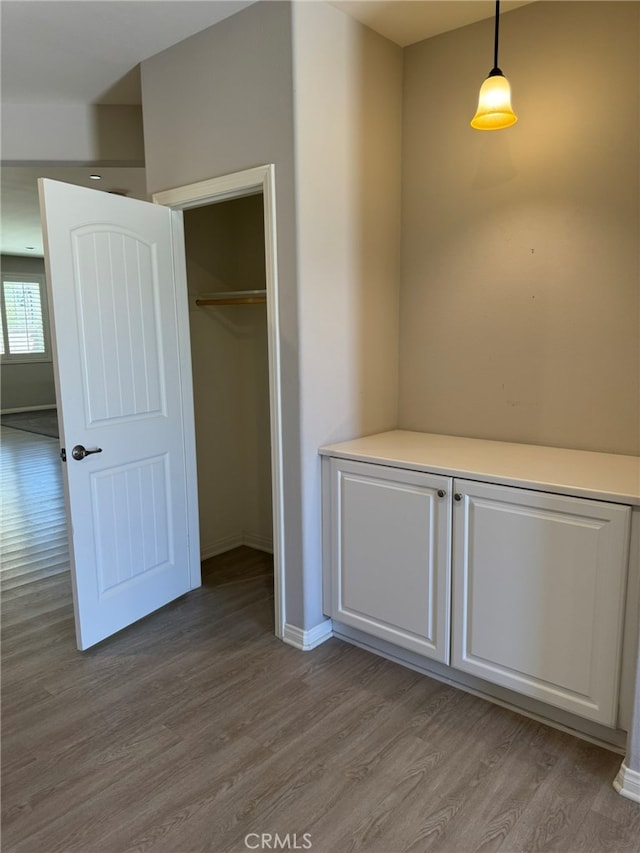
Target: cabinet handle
x=441, y=493
x=457, y=496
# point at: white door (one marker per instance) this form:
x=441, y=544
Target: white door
x=123, y=380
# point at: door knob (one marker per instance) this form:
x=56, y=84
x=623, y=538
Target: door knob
x=458, y=496
x=79, y=452
x=441, y=493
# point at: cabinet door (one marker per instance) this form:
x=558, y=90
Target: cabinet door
x=391, y=536
x=538, y=587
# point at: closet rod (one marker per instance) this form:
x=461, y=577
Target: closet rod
x=233, y=297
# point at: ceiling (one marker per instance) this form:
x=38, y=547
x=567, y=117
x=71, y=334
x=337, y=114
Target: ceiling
x=408, y=21
x=89, y=51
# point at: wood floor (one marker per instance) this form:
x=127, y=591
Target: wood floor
x=196, y=727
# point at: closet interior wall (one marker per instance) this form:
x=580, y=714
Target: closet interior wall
x=225, y=252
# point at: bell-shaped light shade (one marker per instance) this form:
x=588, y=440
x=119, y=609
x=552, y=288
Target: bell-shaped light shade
x=494, y=105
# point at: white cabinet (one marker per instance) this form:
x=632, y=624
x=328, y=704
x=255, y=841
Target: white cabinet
x=538, y=594
x=390, y=544
x=521, y=588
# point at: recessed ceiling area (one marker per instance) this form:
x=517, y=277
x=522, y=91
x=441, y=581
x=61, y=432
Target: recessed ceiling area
x=406, y=22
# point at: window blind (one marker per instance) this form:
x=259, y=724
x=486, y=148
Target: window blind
x=23, y=321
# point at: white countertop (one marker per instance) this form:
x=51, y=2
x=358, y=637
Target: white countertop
x=603, y=476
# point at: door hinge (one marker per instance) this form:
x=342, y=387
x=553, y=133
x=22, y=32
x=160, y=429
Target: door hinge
x=63, y=455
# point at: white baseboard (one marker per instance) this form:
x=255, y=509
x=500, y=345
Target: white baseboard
x=307, y=640
x=227, y=543
x=260, y=543
x=627, y=783
x=27, y=409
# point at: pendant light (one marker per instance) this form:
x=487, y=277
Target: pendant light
x=494, y=103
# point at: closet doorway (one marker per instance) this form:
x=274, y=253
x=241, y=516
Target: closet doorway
x=224, y=246
x=230, y=259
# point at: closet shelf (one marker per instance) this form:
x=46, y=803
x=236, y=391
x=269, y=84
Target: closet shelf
x=233, y=297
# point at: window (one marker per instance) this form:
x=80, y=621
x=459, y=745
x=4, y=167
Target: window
x=24, y=319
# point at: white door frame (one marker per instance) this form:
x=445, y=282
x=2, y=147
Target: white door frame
x=236, y=185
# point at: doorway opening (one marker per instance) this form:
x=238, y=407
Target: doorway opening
x=228, y=239
x=226, y=283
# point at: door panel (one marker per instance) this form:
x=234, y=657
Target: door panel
x=118, y=324
x=137, y=542
x=115, y=297
x=390, y=554
x=539, y=584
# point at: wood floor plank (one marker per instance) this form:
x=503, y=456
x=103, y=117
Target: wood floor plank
x=559, y=808
x=196, y=726
x=600, y=834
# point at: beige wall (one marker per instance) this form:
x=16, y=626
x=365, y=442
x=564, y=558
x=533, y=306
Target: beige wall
x=226, y=241
x=26, y=385
x=225, y=251
x=348, y=137
x=520, y=265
